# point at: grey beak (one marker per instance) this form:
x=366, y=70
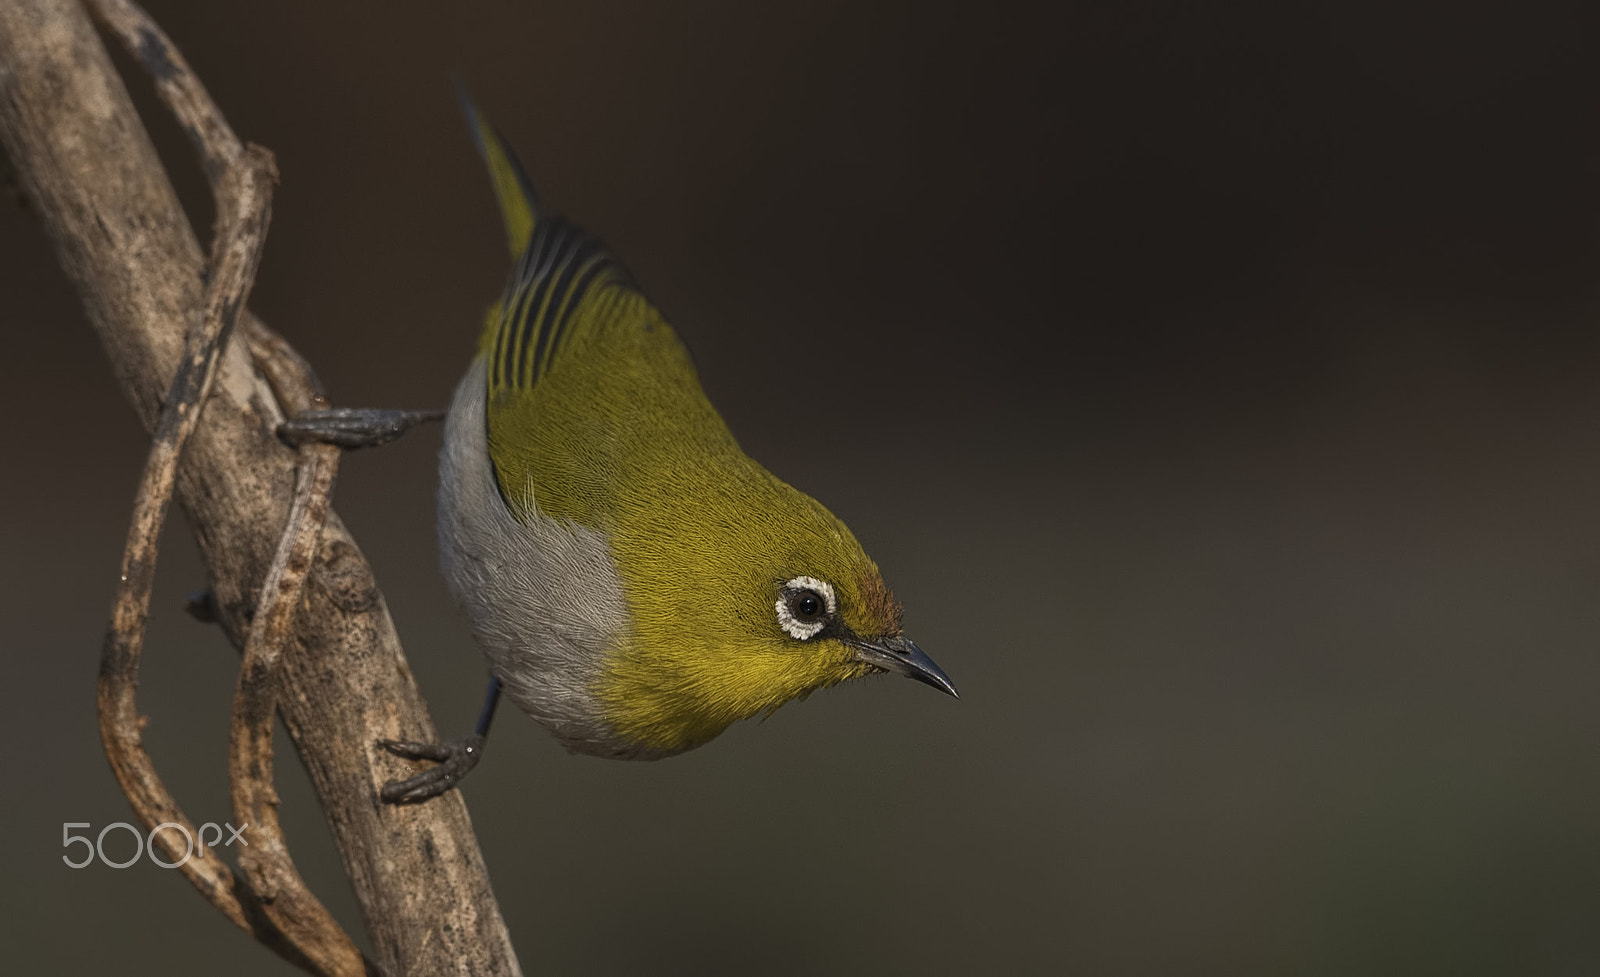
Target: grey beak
x=901, y=655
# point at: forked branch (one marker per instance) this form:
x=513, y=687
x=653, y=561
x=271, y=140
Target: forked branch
x=318, y=644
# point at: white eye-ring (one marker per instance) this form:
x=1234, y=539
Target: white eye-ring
x=804, y=606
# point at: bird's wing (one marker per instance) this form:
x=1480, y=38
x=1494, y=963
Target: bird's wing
x=567, y=295
x=565, y=284
x=565, y=281
x=568, y=301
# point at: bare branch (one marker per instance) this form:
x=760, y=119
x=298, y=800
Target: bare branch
x=235, y=256
x=90, y=174
x=283, y=896
x=179, y=87
x=277, y=908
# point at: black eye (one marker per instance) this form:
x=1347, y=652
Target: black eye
x=806, y=606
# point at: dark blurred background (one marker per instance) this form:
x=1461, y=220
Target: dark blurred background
x=1217, y=387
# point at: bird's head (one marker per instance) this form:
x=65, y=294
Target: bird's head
x=742, y=600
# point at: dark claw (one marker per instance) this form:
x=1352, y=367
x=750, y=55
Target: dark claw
x=202, y=606
x=455, y=759
x=353, y=427
x=437, y=752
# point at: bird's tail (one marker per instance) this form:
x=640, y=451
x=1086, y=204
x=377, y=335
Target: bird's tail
x=519, y=209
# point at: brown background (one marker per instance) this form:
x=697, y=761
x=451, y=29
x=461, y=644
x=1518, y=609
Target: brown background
x=1217, y=390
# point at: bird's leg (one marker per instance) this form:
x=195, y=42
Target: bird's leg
x=367, y=427
x=454, y=758
x=353, y=427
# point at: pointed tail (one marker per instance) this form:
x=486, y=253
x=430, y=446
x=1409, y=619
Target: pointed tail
x=519, y=209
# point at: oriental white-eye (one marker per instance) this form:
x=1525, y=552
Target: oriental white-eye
x=636, y=581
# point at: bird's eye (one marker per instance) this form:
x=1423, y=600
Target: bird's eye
x=804, y=606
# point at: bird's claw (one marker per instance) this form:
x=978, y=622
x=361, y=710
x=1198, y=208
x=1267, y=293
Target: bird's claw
x=454, y=760
x=353, y=427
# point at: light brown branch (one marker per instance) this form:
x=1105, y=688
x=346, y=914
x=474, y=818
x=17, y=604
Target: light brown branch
x=179, y=87
x=233, y=263
x=274, y=882
x=277, y=908
x=90, y=174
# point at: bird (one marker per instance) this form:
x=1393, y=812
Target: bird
x=636, y=582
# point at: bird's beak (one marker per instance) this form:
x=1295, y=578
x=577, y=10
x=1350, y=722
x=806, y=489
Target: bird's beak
x=899, y=654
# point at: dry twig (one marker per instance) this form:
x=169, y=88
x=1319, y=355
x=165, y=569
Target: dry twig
x=341, y=683
x=274, y=882
x=274, y=905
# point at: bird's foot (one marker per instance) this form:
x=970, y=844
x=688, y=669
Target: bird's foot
x=454, y=759
x=202, y=606
x=353, y=427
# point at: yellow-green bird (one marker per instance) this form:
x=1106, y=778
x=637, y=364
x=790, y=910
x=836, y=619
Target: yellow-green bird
x=636, y=581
